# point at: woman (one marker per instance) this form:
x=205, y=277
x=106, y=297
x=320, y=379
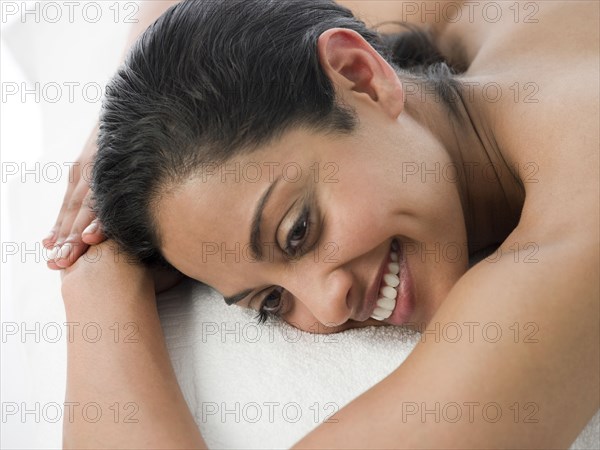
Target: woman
x=279, y=152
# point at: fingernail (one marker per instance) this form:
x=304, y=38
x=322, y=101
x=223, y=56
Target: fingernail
x=49, y=237
x=64, y=251
x=52, y=254
x=91, y=228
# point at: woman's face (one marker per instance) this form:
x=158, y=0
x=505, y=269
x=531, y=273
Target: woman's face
x=332, y=208
x=327, y=211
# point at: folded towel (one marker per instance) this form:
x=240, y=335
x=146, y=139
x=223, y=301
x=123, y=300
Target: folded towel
x=266, y=386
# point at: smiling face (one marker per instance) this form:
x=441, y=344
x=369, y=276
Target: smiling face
x=334, y=205
x=307, y=226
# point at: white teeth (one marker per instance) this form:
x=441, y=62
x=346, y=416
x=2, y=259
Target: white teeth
x=388, y=291
x=386, y=303
x=391, y=280
x=380, y=312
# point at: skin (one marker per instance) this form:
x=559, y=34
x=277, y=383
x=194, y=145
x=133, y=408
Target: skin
x=558, y=291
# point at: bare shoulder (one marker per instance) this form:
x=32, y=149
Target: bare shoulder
x=538, y=85
x=548, y=118
x=374, y=12
x=433, y=14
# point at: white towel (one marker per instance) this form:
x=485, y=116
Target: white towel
x=253, y=386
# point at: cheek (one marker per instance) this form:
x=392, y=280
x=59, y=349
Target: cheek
x=358, y=208
x=299, y=316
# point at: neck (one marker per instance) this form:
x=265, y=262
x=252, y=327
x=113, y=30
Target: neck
x=491, y=194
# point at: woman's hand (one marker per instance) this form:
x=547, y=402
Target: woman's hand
x=76, y=224
x=75, y=228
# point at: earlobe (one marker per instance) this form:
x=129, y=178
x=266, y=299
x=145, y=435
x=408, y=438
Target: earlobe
x=353, y=64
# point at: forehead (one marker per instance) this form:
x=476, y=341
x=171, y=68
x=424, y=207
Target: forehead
x=206, y=214
x=200, y=215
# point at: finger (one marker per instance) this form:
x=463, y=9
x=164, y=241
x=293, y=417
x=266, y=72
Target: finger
x=68, y=253
x=74, y=246
x=50, y=240
x=94, y=233
x=57, y=251
x=74, y=205
x=65, y=255
x=52, y=237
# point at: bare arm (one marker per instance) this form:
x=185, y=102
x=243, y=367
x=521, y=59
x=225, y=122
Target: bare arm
x=524, y=373
x=120, y=383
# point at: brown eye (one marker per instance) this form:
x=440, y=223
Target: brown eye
x=297, y=234
x=270, y=306
x=271, y=301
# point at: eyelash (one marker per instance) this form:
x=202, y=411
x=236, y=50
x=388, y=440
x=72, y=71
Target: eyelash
x=263, y=315
x=293, y=252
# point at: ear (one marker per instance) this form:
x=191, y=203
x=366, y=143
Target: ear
x=352, y=63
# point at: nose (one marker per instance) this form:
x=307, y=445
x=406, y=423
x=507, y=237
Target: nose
x=325, y=294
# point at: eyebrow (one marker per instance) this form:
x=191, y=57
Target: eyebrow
x=255, y=247
x=237, y=297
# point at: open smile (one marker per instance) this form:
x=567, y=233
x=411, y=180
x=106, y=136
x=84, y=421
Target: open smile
x=391, y=298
